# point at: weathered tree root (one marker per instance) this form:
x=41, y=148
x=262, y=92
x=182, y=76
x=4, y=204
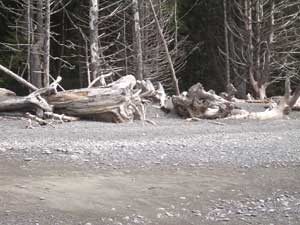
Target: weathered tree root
x=198, y=103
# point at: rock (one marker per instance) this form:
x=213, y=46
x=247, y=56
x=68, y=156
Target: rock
x=47, y=152
x=126, y=218
x=224, y=219
x=169, y=214
x=159, y=215
x=75, y=157
x=27, y=159
x=196, y=212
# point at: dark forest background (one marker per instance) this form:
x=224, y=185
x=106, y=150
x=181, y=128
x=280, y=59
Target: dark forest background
x=200, y=26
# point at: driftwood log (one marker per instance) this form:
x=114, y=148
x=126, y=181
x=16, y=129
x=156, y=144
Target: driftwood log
x=198, y=103
x=116, y=102
x=109, y=104
x=32, y=102
x=278, y=111
x=36, y=102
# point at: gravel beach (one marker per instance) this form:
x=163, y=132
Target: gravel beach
x=174, y=172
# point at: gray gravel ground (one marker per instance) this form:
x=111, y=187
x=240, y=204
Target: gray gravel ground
x=171, y=142
x=177, y=172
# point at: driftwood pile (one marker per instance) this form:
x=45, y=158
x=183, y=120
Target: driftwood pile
x=120, y=101
x=124, y=100
x=201, y=104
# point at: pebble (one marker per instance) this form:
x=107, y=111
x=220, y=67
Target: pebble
x=20, y=186
x=27, y=159
x=47, y=152
x=197, y=212
x=126, y=218
x=271, y=210
x=75, y=157
x=169, y=214
x=224, y=219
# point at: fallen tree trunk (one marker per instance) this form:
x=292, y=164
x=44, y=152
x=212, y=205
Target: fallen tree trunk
x=198, y=103
x=115, y=103
x=100, y=104
x=33, y=102
x=28, y=103
x=278, y=111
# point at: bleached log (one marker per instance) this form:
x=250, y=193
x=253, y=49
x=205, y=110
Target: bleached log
x=101, y=104
x=32, y=102
x=18, y=78
x=6, y=93
x=116, y=102
x=101, y=79
x=126, y=82
x=61, y=117
x=37, y=119
x=27, y=103
x=278, y=111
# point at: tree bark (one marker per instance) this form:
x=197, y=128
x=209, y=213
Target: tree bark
x=47, y=45
x=137, y=40
x=37, y=44
x=94, y=45
x=226, y=46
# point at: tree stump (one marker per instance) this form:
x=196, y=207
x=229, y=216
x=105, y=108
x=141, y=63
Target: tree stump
x=198, y=103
